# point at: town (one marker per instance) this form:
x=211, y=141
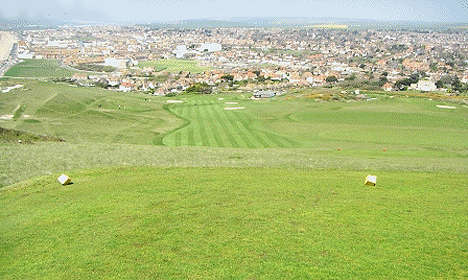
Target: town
x=135, y=58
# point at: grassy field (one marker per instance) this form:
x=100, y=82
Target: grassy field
x=134, y=223
x=174, y=65
x=387, y=134
x=190, y=190
x=39, y=68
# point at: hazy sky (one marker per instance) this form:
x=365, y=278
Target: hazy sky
x=164, y=10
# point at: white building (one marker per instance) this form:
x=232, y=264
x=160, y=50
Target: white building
x=210, y=47
x=426, y=85
x=117, y=63
x=180, y=51
x=465, y=79
x=26, y=55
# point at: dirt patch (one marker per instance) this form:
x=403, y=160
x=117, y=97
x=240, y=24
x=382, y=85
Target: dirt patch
x=8, y=89
x=446, y=107
x=174, y=101
x=234, y=108
x=6, y=117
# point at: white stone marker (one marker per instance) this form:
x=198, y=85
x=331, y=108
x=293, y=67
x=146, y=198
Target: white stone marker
x=64, y=180
x=371, y=180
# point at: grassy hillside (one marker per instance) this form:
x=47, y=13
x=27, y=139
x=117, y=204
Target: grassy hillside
x=74, y=114
x=190, y=190
x=174, y=65
x=39, y=68
x=136, y=223
x=15, y=136
x=385, y=134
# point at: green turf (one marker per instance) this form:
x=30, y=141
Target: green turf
x=283, y=197
x=174, y=65
x=39, y=68
x=15, y=136
x=399, y=123
x=152, y=223
x=74, y=114
x=387, y=134
x=209, y=124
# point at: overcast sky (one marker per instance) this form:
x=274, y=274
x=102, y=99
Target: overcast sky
x=167, y=10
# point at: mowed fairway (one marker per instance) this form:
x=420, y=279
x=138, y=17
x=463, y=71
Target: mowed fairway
x=209, y=123
x=148, y=223
x=39, y=68
x=394, y=124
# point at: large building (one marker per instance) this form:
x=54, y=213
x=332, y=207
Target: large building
x=210, y=47
x=426, y=85
x=117, y=63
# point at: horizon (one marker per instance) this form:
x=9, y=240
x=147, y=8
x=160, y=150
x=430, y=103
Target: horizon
x=163, y=11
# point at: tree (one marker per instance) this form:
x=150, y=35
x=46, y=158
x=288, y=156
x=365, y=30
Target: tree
x=351, y=78
x=331, y=79
x=228, y=77
x=382, y=81
x=200, y=88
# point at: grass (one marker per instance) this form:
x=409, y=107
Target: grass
x=174, y=65
x=191, y=190
x=39, y=68
x=211, y=125
x=399, y=123
x=386, y=134
x=49, y=158
x=74, y=114
x=134, y=223
x=14, y=136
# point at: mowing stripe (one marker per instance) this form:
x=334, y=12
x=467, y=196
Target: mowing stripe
x=223, y=122
x=245, y=121
x=202, y=131
x=234, y=129
x=214, y=126
x=244, y=131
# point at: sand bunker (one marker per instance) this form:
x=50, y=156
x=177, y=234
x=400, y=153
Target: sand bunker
x=231, y=103
x=8, y=89
x=6, y=117
x=175, y=101
x=220, y=98
x=446, y=107
x=234, y=108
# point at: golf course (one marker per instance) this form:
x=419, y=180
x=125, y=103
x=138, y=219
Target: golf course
x=221, y=186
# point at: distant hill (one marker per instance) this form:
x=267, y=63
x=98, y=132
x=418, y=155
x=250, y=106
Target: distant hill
x=303, y=22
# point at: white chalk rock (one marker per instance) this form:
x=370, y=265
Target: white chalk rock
x=64, y=180
x=371, y=180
